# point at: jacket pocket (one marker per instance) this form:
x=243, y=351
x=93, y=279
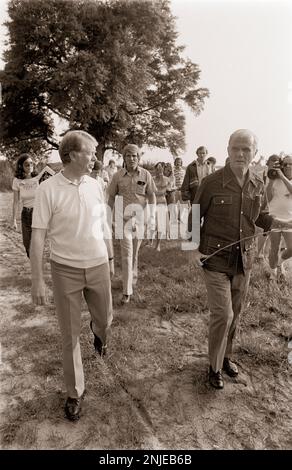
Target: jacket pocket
x=251, y=207
x=216, y=244
x=222, y=200
x=222, y=207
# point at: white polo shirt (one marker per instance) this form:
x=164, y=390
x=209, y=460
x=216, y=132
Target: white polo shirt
x=74, y=215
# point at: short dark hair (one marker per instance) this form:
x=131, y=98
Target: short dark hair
x=201, y=148
x=273, y=159
x=98, y=165
x=160, y=163
x=211, y=160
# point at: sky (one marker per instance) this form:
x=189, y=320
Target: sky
x=244, y=51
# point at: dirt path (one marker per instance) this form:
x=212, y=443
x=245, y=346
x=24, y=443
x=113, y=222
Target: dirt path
x=151, y=391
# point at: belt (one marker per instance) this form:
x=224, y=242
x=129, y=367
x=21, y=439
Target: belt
x=27, y=209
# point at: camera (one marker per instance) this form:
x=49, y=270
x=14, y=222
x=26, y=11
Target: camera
x=277, y=165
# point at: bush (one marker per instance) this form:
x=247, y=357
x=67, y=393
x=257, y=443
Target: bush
x=6, y=176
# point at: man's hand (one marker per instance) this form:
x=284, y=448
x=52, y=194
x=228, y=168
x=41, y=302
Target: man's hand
x=198, y=258
x=112, y=268
x=14, y=224
x=38, y=292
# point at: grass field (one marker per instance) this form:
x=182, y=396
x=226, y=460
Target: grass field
x=151, y=391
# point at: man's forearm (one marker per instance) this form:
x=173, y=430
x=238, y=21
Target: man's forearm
x=36, y=254
x=287, y=183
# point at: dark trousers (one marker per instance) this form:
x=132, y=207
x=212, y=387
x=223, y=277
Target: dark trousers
x=26, y=220
x=226, y=299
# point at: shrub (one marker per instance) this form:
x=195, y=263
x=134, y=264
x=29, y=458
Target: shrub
x=6, y=176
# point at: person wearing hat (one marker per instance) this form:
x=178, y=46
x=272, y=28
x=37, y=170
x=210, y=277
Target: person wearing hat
x=135, y=187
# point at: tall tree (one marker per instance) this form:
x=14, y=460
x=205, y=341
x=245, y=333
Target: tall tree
x=112, y=68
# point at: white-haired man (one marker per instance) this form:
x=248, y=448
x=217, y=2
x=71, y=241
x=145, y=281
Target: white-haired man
x=230, y=205
x=136, y=187
x=70, y=207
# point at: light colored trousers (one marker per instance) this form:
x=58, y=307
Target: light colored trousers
x=129, y=253
x=226, y=298
x=68, y=286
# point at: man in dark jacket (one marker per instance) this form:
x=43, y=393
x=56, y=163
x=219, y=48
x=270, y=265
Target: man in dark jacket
x=230, y=203
x=195, y=173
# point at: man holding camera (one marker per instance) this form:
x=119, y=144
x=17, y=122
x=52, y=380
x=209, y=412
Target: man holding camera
x=279, y=202
x=230, y=205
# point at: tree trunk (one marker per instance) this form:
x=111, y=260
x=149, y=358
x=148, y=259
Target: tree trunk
x=100, y=152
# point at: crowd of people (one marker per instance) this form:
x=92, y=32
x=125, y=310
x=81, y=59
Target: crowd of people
x=71, y=209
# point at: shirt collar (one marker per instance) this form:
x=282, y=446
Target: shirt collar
x=63, y=181
x=228, y=176
x=125, y=172
x=196, y=163
x=200, y=164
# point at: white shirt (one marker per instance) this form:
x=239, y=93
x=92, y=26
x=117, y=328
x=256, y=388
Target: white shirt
x=203, y=170
x=27, y=189
x=280, y=206
x=74, y=215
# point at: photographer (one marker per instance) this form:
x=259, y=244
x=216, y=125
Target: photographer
x=279, y=200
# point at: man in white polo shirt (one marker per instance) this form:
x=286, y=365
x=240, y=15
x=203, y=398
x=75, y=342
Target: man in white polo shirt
x=70, y=208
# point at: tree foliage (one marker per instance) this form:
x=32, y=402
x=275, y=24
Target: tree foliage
x=112, y=68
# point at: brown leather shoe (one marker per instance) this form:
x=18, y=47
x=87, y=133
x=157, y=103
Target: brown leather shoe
x=216, y=379
x=229, y=367
x=73, y=407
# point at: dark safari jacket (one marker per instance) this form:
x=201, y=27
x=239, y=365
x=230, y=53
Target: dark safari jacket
x=190, y=183
x=230, y=214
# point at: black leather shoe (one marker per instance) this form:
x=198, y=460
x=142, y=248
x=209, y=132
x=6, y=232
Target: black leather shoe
x=125, y=299
x=99, y=347
x=216, y=379
x=73, y=407
x=229, y=367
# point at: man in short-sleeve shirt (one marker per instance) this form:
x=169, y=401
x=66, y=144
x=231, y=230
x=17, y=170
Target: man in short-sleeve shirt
x=136, y=187
x=70, y=208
